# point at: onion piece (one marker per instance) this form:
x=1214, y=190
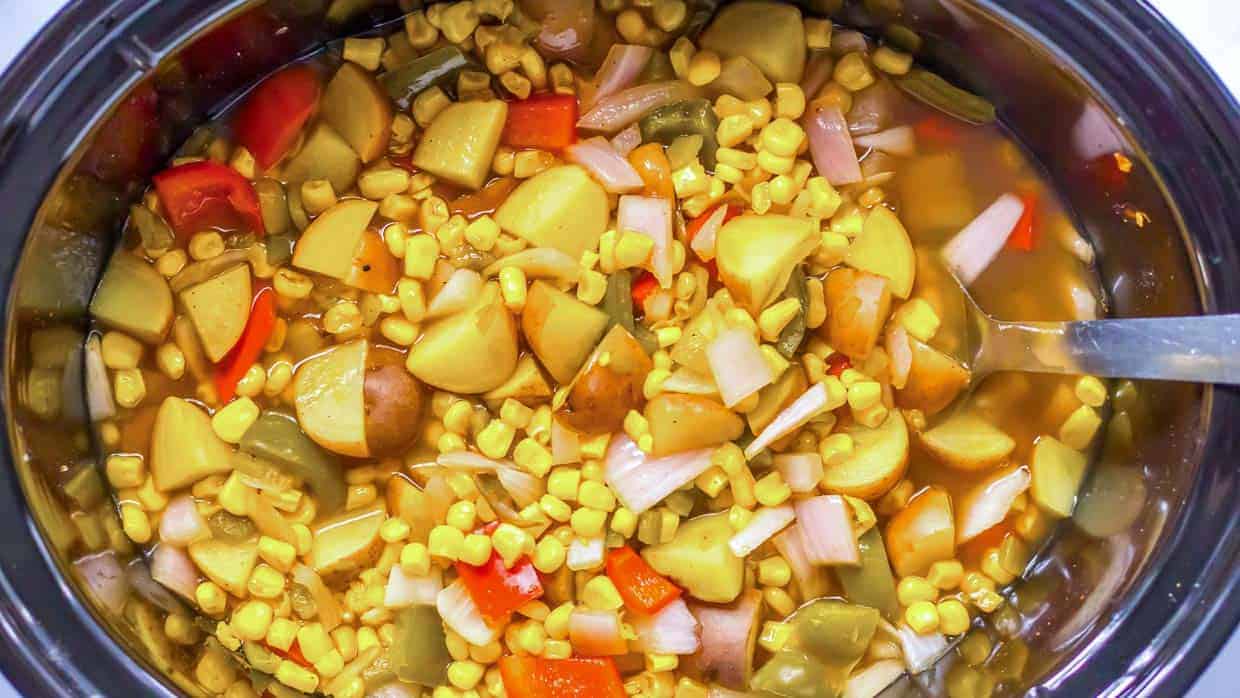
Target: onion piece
x=651, y=217
x=99, y=402
x=872, y=680
x=831, y=145
x=181, y=523
x=328, y=609
x=105, y=578
x=989, y=502
x=690, y=382
x=606, y=165
x=818, y=69
x=596, y=633
x=900, y=351
x=640, y=482
x=457, y=294
x=872, y=109
x=920, y=651
x=625, y=107
x=539, y=263
x=704, y=242
x=459, y=612
x=792, y=546
x=585, y=554
x=565, y=444
x=620, y=69
x=171, y=567
x=802, y=471
x=766, y=522
x=673, y=630
x=812, y=403
x=738, y=366
x=407, y=590
x=139, y=576
x=848, y=41
x=627, y=140
x=470, y=462
x=729, y=635
x=973, y=249
x=895, y=141
x=524, y=488
x=826, y=529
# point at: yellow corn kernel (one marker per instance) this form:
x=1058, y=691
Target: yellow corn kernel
x=415, y=559
x=771, y=490
x=992, y=568
x=292, y=284
x=680, y=54
x=1079, y=428
x=988, y=601
x=624, y=522
x=532, y=456
x=135, y=523
x=265, y=582
x=129, y=387
x=863, y=395
x=421, y=33
x=317, y=195
x=206, y=245
x=562, y=80
x=789, y=101
x=296, y=676
x=120, y=351
x=759, y=110
x=171, y=360
x=556, y=622
x=712, y=481
x=922, y=617
x=779, y=600
x=774, y=635
x=251, y=620
x=596, y=495
x=451, y=234
x=528, y=163
x=549, y=555
x=782, y=137
x=892, y=61
x=668, y=15
x=1089, y=390
x=631, y=26
x=211, y=599
x=776, y=317
x=564, y=482
x=760, y=197
x=252, y=382
x=774, y=571
x=953, y=617
x=632, y=249
x=364, y=52
x=421, y=255
x=704, y=67
x=775, y=164
x=511, y=543
x=231, y=421
x=912, y=589
x=465, y=674
x=591, y=287
x=445, y=542
x=734, y=130
x=462, y=515
x=281, y=633
x=588, y=523
x=394, y=530
x=398, y=330
x=180, y=629
x=739, y=517
x=428, y=104
x=945, y=574
x=125, y=471
x=530, y=637
x=662, y=662
x=818, y=33
x=600, y=594
x=476, y=549
x=277, y=553
x=482, y=233
x=171, y=263
x=512, y=287
x=496, y=438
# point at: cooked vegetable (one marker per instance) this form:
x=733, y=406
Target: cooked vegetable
x=273, y=114
x=153, y=231
x=686, y=422
x=729, y=636
x=534, y=677
x=1112, y=501
x=672, y=630
x=929, y=379
x=739, y=76
x=542, y=121
x=419, y=651
x=1057, y=474
x=699, y=560
x=774, y=398
x=694, y=117
x=608, y=166
x=793, y=334
x=201, y=195
x=878, y=460
x=858, y=304
x=560, y=329
x=498, y=590
x=988, y=502
x=832, y=146
x=184, y=447
x=219, y=309
x=133, y=297
x=346, y=543
x=828, y=638
x=764, y=524
x=561, y=207
x=456, y=608
x=607, y=388
x=253, y=340
x=871, y=584
x=325, y=154
x=626, y=107
x=227, y=564
x=968, y=442
x=474, y=351
x=826, y=524
x=437, y=67
x=643, y=590
x=922, y=533
x=757, y=255
x=769, y=34
x=374, y=269
x=460, y=143
x=621, y=68
x=276, y=438
x=526, y=383
x=329, y=244
x=936, y=92
x=357, y=108
x=652, y=217
x=971, y=251
x=641, y=482
x=596, y=633
x=618, y=304
x=808, y=405
x=883, y=248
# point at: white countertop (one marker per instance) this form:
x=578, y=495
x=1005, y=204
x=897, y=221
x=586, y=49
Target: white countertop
x=1213, y=26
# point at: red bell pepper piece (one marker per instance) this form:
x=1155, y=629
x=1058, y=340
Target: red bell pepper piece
x=273, y=114
x=126, y=147
x=206, y=194
x=547, y=121
x=497, y=590
x=293, y=654
x=837, y=363
x=643, y=589
x=535, y=677
x=250, y=346
x=1023, y=237
x=937, y=130
x=644, y=285
x=695, y=226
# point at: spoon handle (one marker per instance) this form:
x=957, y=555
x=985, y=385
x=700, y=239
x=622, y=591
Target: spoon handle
x=1198, y=349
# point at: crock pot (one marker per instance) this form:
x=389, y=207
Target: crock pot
x=1132, y=605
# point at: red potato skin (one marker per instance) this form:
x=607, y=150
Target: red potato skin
x=393, y=402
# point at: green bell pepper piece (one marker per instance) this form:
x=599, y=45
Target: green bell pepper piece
x=276, y=438
x=692, y=117
x=435, y=68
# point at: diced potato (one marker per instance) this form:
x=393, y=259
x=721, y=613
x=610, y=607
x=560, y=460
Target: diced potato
x=604, y=391
x=857, y=307
x=771, y=35
x=526, y=383
x=686, y=422
x=560, y=329
x=324, y=155
x=922, y=533
x=184, y=447
x=227, y=564
x=473, y=351
x=562, y=207
x=219, y=308
x=1057, y=474
x=931, y=379
x=408, y=502
x=878, y=461
x=329, y=396
x=698, y=558
x=775, y=397
x=133, y=298
x=883, y=248
x=393, y=402
x=330, y=244
x=460, y=143
x=359, y=110
x=347, y=543
x=967, y=442
x=757, y=254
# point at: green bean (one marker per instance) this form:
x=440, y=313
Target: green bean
x=794, y=333
x=437, y=67
x=871, y=584
x=936, y=92
x=692, y=117
x=618, y=304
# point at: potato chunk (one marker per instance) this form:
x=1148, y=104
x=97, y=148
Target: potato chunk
x=359, y=110
x=560, y=329
x=769, y=34
x=698, y=559
x=328, y=246
x=473, y=351
x=219, y=308
x=883, y=248
x=133, y=298
x=756, y=256
x=878, y=461
x=685, y=422
x=184, y=447
x=227, y=564
x=561, y=207
x=460, y=143
x=857, y=307
x=1057, y=474
x=922, y=533
x=348, y=542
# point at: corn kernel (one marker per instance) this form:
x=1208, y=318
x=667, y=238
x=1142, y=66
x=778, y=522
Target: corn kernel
x=1079, y=428
x=415, y=559
x=922, y=617
x=171, y=263
x=564, y=482
x=818, y=33
x=445, y=542
x=782, y=137
x=364, y=52
x=251, y=620
x=265, y=582
x=462, y=515
x=596, y=495
x=317, y=196
x=775, y=164
x=549, y=555
x=120, y=351
x=428, y=104
x=496, y=438
x=912, y=589
x=789, y=101
x=771, y=490
x=511, y=543
x=125, y=471
x=892, y=61
x=277, y=553
x=129, y=387
x=953, y=617
x=232, y=421
x=588, y=523
x=852, y=72
x=779, y=600
x=600, y=594
x=774, y=635
x=296, y=676
x=206, y=245
x=776, y=317
x=533, y=457
x=135, y=523
x=1091, y=391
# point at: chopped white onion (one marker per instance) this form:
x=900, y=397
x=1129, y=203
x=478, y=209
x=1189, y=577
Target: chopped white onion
x=895, y=141
x=627, y=140
x=686, y=380
x=826, y=530
x=704, y=242
x=539, y=263
x=99, y=400
x=328, y=608
x=565, y=444
x=673, y=630
x=801, y=471
x=640, y=482
x=738, y=366
x=831, y=146
x=140, y=579
x=596, y=633
x=651, y=217
x=870, y=681
x=726, y=635
x=471, y=462
x=181, y=523
x=459, y=612
x=407, y=590
x=625, y=107
x=606, y=165
x=105, y=579
x=973, y=249
x=585, y=554
x=920, y=651
x=900, y=351
x=524, y=488
x=812, y=403
x=791, y=545
x=988, y=503
x=764, y=524
x=460, y=291
x=395, y=689
x=624, y=62
x=171, y=567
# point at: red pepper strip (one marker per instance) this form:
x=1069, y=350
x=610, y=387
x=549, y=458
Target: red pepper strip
x=644, y=285
x=250, y=346
x=497, y=590
x=547, y=121
x=938, y=130
x=293, y=654
x=271, y=118
x=200, y=195
x=1023, y=237
x=837, y=363
x=535, y=677
x=643, y=589
x=695, y=226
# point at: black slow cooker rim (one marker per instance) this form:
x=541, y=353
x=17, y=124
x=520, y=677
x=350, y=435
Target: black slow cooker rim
x=1189, y=605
